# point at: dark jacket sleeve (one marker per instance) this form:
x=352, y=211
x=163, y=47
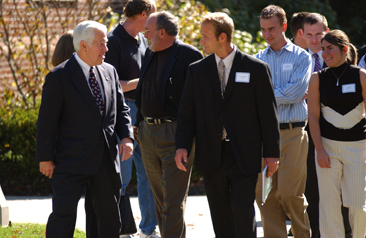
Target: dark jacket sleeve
x=48, y=117
x=123, y=120
x=267, y=109
x=186, y=116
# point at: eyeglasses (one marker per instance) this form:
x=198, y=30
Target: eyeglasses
x=147, y=31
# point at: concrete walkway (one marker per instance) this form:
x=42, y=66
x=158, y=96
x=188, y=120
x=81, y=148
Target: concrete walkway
x=197, y=216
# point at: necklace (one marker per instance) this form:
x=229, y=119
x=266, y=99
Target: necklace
x=339, y=76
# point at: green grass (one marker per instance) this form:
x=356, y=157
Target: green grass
x=30, y=230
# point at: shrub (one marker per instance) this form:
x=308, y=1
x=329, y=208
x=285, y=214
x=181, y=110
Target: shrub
x=246, y=13
x=19, y=173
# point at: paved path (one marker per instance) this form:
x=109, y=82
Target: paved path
x=197, y=216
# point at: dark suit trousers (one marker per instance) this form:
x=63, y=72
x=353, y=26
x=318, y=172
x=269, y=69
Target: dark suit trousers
x=311, y=190
x=231, y=196
x=105, y=192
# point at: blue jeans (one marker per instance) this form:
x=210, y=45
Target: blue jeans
x=146, y=199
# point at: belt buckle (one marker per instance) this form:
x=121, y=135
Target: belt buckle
x=156, y=121
x=148, y=122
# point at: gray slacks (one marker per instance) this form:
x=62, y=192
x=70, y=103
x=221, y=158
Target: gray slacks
x=168, y=183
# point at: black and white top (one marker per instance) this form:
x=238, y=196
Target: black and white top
x=342, y=116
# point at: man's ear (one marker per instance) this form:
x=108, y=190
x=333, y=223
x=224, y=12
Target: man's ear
x=161, y=33
x=284, y=27
x=326, y=31
x=222, y=36
x=300, y=32
x=83, y=45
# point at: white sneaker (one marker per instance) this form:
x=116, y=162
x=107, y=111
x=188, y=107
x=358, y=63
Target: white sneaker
x=153, y=235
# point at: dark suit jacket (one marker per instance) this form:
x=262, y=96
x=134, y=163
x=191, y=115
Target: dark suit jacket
x=173, y=76
x=70, y=130
x=248, y=111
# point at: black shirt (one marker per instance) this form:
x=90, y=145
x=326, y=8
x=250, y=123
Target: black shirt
x=151, y=105
x=126, y=54
x=341, y=101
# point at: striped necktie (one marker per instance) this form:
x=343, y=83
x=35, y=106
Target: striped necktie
x=317, y=66
x=94, y=86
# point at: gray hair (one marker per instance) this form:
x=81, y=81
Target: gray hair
x=167, y=21
x=85, y=31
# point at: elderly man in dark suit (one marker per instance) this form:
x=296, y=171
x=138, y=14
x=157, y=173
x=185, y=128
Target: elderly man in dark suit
x=81, y=112
x=157, y=99
x=228, y=105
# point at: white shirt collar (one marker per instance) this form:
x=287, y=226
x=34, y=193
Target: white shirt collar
x=319, y=53
x=228, y=61
x=84, y=66
x=320, y=58
x=289, y=47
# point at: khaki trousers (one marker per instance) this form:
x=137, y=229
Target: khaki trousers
x=288, y=187
x=168, y=184
x=346, y=177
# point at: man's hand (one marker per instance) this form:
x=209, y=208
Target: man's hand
x=126, y=148
x=135, y=133
x=272, y=165
x=47, y=168
x=181, y=154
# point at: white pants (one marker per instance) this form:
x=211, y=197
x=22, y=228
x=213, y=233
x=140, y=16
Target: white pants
x=347, y=177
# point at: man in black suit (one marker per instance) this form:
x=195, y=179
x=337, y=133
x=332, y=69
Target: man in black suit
x=81, y=112
x=228, y=105
x=157, y=99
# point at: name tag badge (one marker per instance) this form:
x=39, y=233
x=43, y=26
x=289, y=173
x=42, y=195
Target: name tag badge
x=287, y=67
x=349, y=88
x=241, y=77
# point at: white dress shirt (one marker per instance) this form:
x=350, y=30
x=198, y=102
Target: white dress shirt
x=228, y=62
x=85, y=67
x=320, y=58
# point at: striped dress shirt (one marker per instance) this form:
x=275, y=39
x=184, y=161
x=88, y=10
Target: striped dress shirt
x=290, y=71
x=362, y=63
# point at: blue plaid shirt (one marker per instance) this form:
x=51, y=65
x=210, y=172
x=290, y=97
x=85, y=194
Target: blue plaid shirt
x=290, y=71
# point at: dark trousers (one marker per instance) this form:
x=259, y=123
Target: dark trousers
x=104, y=195
x=312, y=190
x=169, y=184
x=231, y=196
